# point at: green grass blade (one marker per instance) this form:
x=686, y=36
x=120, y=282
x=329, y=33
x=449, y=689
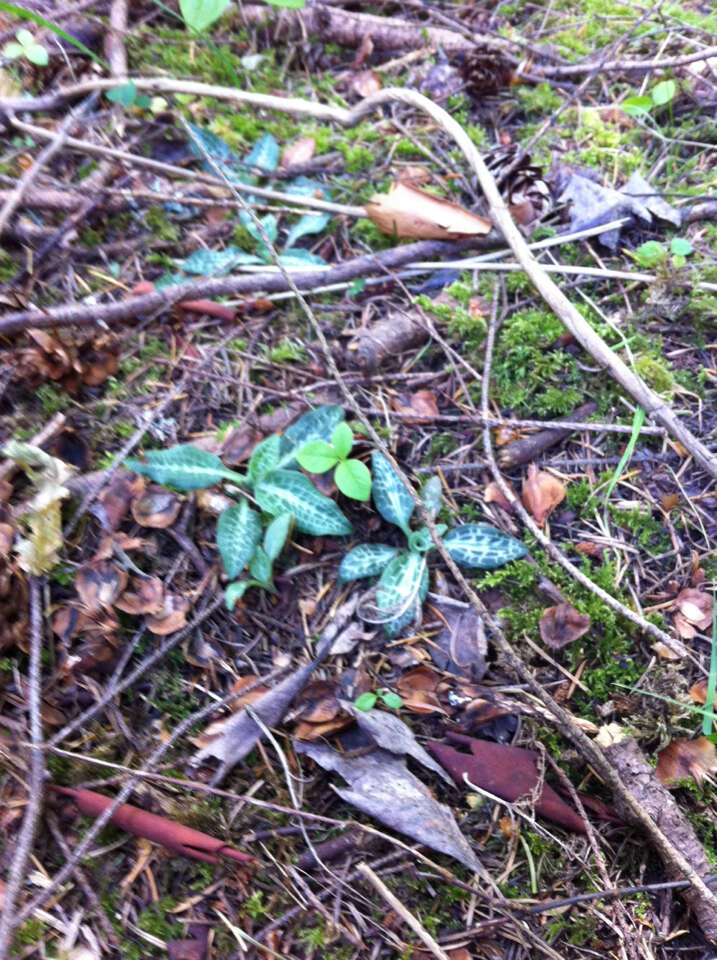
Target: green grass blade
x=712, y=679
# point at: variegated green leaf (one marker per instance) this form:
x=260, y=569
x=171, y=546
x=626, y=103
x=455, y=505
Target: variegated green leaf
x=184, y=467
x=287, y=491
x=297, y=257
x=420, y=540
x=264, y=458
x=277, y=534
x=401, y=590
x=482, y=547
x=431, y=495
x=264, y=155
x=392, y=500
x=317, y=424
x=260, y=566
x=235, y=591
x=238, y=535
x=214, y=263
x=366, y=560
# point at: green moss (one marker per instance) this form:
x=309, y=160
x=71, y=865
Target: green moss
x=157, y=221
x=52, y=398
x=31, y=933
x=356, y=157
x=541, y=99
x=8, y=267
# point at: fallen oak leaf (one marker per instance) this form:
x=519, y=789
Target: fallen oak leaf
x=507, y=772
x=561, y=625
x=406, y=211
x=167, y=833
x=682, y=758
x=542, y=492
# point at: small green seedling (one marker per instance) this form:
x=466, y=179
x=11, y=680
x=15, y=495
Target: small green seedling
x=352, y=477
x=660, y=95
x=129, y=96
x=653, y=254
x=25, y=45
x=367, y=701
x=281, y=491
x=403, y=574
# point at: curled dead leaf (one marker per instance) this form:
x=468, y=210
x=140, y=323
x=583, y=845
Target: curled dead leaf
x=146, y=596
x=493, y=494
x=172, y=616
x=406, y=211
x=542, y=492
x=156, y=507
x=365, y=83
x=113, y=501
x=418, y=407
x=695, y=606
x=698, y=691
x=419, y=690
x=300, y=151
x=682, y=758
x=99, y=584
x=561, y=625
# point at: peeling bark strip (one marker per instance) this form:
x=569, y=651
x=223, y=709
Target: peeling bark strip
x=642, y=784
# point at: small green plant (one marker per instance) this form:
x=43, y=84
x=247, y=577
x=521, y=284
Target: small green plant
x=653, y=254
x=367, y=701
x=661, y=94
x=278, y=487
x=352, y=477
x=403, y=574
x=25, y=45
x=129, y=96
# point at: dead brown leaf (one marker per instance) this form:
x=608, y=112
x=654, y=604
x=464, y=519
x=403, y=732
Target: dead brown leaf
x=542, y=492
x=694, y=611
x=408, y=212
x=365, y=83
x=113, y=501
x=300, y=151
x=146, y=596
x=493, y=494
x=418, y=690
x=172, y=616
x=561, y=625
x=681, y=759
x=156, y=507
x=698, y=691
x=99, y=584
x=418, y=407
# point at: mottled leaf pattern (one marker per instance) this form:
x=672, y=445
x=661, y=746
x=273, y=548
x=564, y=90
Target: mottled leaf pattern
x=392, y=500
x=482, y=547
x=317, y=424
x=264, y=154
x=296, y=257
x=238, y=535
x=185, y=467
x=286, y=491
x=402, y=588
x=214, y=263
x=260, y=566
x=276, y=535
x=365, y=560
x=264, y=458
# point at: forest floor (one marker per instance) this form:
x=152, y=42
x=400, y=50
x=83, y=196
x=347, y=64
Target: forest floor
x=358, y=502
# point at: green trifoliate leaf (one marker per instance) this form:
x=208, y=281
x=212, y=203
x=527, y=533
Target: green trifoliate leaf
x=392, y=700
x=401, y=590
x=637, y=106
x=38, y=55
x=238, y=535
x=200, y=14
x=342, y=439
x=681, y=246
x=317, y=456
x=353, y=479
x=392, y=500
x=277, y=533
x=286, y=491
x=663, y=92
x=482, y=547
x=365, y=702
x=126, y=94
x=264, y=458
x=366, y=560
x=185, y=467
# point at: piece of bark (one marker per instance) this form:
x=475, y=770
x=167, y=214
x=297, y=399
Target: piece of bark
x=642, y=783
x=398, y=331
x=529, y=448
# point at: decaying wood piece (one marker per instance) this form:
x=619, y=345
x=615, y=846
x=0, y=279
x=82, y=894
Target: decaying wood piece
x=529, y=448
x=640, y=780
x=399, y=330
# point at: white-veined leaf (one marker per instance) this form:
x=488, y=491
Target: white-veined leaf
x=366, y=560
x=287, y=491
x=277, y=534
x=392, y=500
x=482, y=547
x=264, y=155
x=296, y=257
x=184, y=467
x=238, y=535
x=432, y=495
x=317, y=424
x=264, y=458
x=214, y=263
x=401, y=590
x=260, y=566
